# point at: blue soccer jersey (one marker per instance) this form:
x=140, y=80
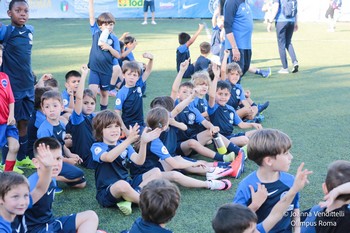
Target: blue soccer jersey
x=276, y=190
x=80, y=127
x=182, y=54
x=155, y=151
x=65, y=98
x=143, y=226
x=5, y=226
x=17, y=57
x=100, y=61
x=34, y=123
x=225, y=117
x=201, y=104
x=237, y=95
x=129, y=102
x=169, y=139
x=109, y=173
x=202, y=63
x=239, y=21
x=41, y=212
x=56, y=131
x=193, y=119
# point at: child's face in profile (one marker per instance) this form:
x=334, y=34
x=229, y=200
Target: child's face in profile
x=131, y=78
x=111, y=134
x=233, y=76
x=72, y=83
x=52, y=109
x=222, y=96
x=282, y=162
x=109, y=26
x=89, y=105
x=19, y=14
x=16, y=201
x=184, y=92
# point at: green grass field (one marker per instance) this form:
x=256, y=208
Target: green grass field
x=311, y=106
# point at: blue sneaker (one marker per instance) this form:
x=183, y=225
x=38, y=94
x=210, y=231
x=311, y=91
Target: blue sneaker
x=259, y=118
x=265, y=73
x=58, y=190
x=262, y=107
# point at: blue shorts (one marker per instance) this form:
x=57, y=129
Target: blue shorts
x=24, y=105
x=65, y=224
x=149, y=4
x=234, y=135
x=72, y=172
x=7, y=131
x=105, y=197
x=103, y=80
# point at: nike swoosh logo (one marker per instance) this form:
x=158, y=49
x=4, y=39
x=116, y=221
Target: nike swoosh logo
x=270, y=193
x=18, y=229
x=104, y=86
x=49, y=192
x=185, y=7
x=22, y=32
x=58, y=133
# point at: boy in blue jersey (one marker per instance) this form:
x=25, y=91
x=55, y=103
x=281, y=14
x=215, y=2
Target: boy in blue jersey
x=159, y=200
x=239, y=217
x=51, y=105
x=17, y=39
x=113, y=183
x=223, y=115
x=80, y=122
x=102, y=54
x=183, y=52
x=129, y=103
x=217, y=22
x=269, y=149
x=39, y=217
x=203, y=61
x=68, y=95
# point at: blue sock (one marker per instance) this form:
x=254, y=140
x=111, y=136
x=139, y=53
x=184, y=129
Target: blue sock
x=218, y=157
x=103, y=107
x=23, y=143
x=232, y=147
x=5, y=150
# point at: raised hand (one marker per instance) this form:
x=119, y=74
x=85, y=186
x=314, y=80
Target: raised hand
x=260, y=196
x=44, y=155
x=133, y=133
x=301, y=178
x=151, y=135
x=184, y=65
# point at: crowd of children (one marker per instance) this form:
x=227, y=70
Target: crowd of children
x=135, y=158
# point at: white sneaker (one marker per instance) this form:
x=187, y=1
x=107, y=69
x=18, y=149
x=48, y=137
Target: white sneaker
x=154, y=22
x=144, y=23
x=283, y=71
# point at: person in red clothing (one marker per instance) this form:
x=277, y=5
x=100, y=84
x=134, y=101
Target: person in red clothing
x=8, y=130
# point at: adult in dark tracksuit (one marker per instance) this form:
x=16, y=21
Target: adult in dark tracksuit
x=284, y=29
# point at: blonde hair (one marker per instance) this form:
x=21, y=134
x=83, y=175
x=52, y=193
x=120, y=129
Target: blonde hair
x=233, y=66
x=200, y=77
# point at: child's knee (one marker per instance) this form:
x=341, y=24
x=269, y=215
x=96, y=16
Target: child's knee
x=13, y=146
x=192, y=143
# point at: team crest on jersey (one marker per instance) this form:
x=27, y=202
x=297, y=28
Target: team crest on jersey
x=4, y=83
x=191, y=118
x=124, y=154
x=118, y=101
x=231, y=117
x=97, y=150
x=65, y=102
x=238, y=93
x=110, y=41
x=164, y=150
x=139, y=91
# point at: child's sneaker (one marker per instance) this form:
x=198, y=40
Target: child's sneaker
x=219, y=184
x=25, y=163
x=262, y=107
x=125, y=207
x=229, y=157
x=17, y=170
x=265, y=73
x=154, y=22
x=283, y=71
x=295, y=67
x=238, y=165
x=259, y=118
x=219, y=173
x=221, y=164
x=244, y=148
x=144, y=23
x=58, y=190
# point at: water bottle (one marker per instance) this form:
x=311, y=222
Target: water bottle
x=103, y=37
x=219, y=144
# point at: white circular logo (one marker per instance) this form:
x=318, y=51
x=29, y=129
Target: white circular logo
x=165, y=150
x=110, y=41
x=124, y=154
x=97, y=150
x=65, y=102
x=118, y=101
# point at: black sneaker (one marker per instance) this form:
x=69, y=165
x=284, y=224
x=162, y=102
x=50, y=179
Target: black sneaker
x=295, y=68
x=262, y=107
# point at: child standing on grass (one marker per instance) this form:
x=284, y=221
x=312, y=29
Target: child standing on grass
x=39, y=218
x=51, y=105
x=159, y=201
x=8, y=130
x=102, y=54
x=80, y=122
x=113, y=184
x=17, y=39
x=270, y=150
x=183, y=52
x=129, y=103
